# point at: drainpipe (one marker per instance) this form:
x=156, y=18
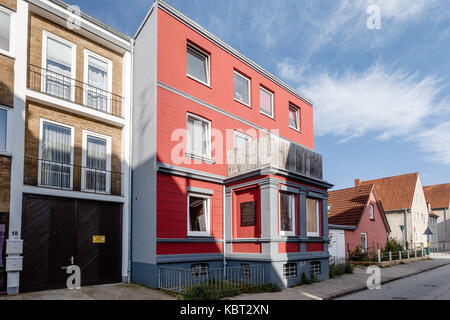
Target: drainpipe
x=405, y=229
x=130, y=168
x=446, y=230
x=224, y=234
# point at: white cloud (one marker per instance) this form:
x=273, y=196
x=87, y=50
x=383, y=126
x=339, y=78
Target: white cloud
x=383, y=102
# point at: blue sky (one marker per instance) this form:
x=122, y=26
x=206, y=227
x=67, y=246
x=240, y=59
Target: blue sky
x=381, y=96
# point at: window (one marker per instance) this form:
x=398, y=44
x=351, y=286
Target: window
x=294, y=118
x=371, y=212
x=314, y=268
x=364, y=242
x=198, y=215
x=197, y=64
x=245, y=272
x=266, y=102
x=96, y=162
x=200, y=271
x=241, y=88
x=199, y=136
x=5, y=30
x=98, y=81
x=312, y=217
x=241, y=139
x=290, y=270
x=287, y=214
x=248, y=214
x=3, y=123
x=56, y=154
x=59, y=67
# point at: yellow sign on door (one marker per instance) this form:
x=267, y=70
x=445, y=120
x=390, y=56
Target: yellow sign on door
x=98, y=239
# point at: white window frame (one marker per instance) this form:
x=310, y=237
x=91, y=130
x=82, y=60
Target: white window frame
x=88, y=53
x=72, y=138
x=2, y=107
x=207, y=216
x=315, y=268
x=271, y=103
x=249, y=89
x=192, y=152
x=45, y=36
x=11, y=50
x=316, y=233
x=290, y=270
x=366, y=237
x=108, y=139
x=371, y=211
x=242, y=135
x=297, y=112
x=293, y=200
x=201, y=52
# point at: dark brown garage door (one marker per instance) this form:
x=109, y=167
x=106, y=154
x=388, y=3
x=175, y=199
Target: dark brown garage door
x=57, y=230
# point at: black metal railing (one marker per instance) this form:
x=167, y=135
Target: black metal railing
x=58, y=175
x=69, y=89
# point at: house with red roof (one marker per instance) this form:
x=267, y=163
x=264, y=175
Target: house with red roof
x=357, y=214
x=438, y=198
x=404, y=203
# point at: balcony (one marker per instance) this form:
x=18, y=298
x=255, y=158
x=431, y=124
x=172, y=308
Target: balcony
x=62, y=176
x=72, y=90
x=277, y=152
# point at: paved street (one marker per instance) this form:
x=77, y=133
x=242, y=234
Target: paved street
x=430, y=285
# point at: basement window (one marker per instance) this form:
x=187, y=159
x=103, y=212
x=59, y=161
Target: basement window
x=200, y=271
x=314, y=268
x=290, y=270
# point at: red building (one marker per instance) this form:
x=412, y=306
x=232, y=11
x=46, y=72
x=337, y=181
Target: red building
x=224, y=172
x=357, y=211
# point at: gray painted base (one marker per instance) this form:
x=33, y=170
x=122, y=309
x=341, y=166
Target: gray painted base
x=145, y=274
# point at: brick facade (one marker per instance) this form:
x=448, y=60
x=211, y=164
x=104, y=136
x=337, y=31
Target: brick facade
x=6, y=81
x=38, y=24
x=35, y=111
x=5, y=183
x=10, y=4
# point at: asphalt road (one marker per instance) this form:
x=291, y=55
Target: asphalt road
x=430, y=285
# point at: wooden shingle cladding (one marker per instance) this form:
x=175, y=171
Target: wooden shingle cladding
x=6, y=81
x=35, y=112
x=10, y=4
x=38, y=24
x=5, y=183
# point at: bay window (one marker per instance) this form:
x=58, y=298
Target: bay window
x=312, y=217
x=198, y=215
x=198, y=136
x=287, y=214
x=56, y=155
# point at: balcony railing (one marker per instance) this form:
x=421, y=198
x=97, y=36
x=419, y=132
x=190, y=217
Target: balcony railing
x=274, y=151
x=63, y=176
x=72, y=90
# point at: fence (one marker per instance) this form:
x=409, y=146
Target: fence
x=182, y=280
x=338, y=260
x=440, y=246
x=379, y=255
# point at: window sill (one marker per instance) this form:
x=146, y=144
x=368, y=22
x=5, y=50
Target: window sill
x=266, y=115
x=199, y=81
x=201, y=158
x=295, y=129
x=5, y=153
x=7, y=54
x=199, y=236
x=243, y=103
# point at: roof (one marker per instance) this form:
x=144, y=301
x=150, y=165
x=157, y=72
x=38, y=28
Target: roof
x=397, y=192
x=438, y=195
x=347, y=205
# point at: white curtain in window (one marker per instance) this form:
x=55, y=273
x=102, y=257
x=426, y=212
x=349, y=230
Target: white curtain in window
x=198, y=137
x=56, y=156
x=5, y=21
x=3, y=119
x=241, y=89
x=266, y=102
x=96, y=164
x=59, y=69
x=97, y=83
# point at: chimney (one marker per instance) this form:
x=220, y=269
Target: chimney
x=357, y=182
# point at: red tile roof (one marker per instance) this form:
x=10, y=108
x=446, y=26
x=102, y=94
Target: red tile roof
x=438, y=195
x=395, y=193
x=347, y=205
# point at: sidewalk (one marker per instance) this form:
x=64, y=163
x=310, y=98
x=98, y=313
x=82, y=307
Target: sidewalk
x=350, y=283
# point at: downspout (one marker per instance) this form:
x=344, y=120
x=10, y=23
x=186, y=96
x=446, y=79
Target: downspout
x=405, y=229
x=224, y=234
x=130, y=175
